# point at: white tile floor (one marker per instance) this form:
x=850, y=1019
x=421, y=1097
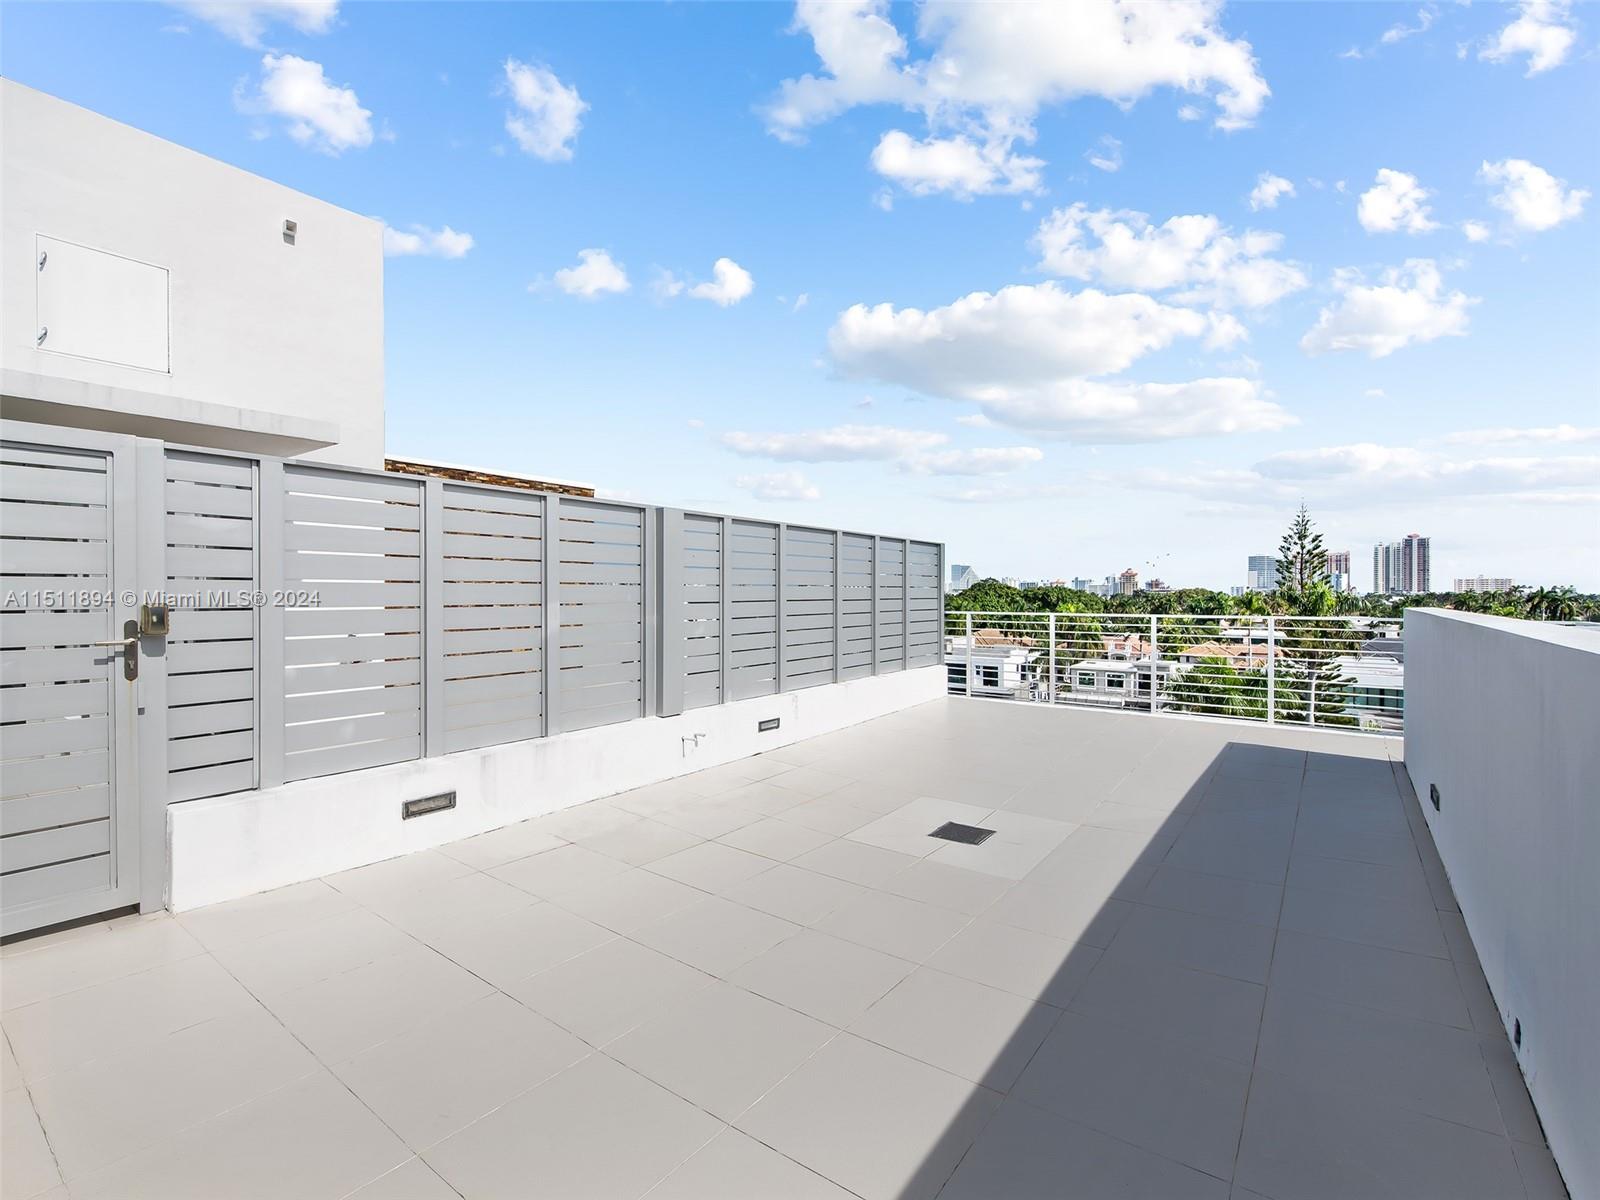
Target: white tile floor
x=1195, y=960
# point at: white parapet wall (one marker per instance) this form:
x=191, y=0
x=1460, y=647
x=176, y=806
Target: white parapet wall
x=232, y=846
x=1501, y=718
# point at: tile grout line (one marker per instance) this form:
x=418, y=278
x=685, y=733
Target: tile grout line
x=1266, y=990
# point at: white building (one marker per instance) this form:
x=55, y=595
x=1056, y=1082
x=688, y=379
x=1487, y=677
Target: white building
x=154, y=291
x=1485, y=583
x=961, y=577
x=1002, y=665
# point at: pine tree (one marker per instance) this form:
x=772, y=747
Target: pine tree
x=1302, y=560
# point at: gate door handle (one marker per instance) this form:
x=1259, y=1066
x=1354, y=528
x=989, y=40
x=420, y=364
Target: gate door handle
x=130, y=649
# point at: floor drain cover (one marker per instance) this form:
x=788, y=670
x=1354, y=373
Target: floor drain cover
x=967, y=835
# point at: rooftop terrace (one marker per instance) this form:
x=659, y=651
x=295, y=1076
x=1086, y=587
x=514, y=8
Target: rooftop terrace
x=1194, y=959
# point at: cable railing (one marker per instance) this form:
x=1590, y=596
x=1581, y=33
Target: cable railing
x=1329, y=672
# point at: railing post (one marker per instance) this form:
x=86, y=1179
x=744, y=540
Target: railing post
x=1155, y=662
x=905, y=605
x=672, y=642
x=1050, y=693
x=969, y=655
x=433, y=740
x=724, y=630
x=780, y=531
x=653, y=618
x=1272, y=671
x=875, y=540
x=838, y=606
x=550, y=607
x=269, y=622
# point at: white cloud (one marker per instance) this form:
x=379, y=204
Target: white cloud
x=548, y=115
x=985, y=80
x=1020, y=336
x=1402, y=467
x=1106, y=154
x=729, y=284
x=420, y=240
x=957, y=165
x=779, y=485
x=1092, y=411
x=913, y=450
x=1024, y=356
x=1363, y=458
x=1395, y=202
x=800, y=302
x=1530, y=196
x=1399, y=31
x=1189, y=112
x=246, y=20
x=1562, y=434
x=1368, y=475
x=974, y=421
x=319, y=114
x=1011, y=493
x=842, y=443
x=1541, y=31
x=596, y=274
x=1196, y=254
x=1475, y=231
x=1269, y=190
x=1410, y=305
x=666, y=285
x=997, y=460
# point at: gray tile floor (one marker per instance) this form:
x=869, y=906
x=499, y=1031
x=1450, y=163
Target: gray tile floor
x=1195, y=960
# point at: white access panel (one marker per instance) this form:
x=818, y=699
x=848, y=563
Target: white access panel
x=99, y=305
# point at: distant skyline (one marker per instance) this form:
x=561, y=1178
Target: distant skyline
x=1076, y=289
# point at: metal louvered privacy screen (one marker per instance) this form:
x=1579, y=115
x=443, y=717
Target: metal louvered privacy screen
x=328, y=620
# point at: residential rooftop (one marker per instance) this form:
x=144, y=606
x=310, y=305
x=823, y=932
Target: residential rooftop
x=1193, y=959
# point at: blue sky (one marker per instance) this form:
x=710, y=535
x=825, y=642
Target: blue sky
x=941, y=311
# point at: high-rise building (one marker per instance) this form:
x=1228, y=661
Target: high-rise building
x=1383, y=572
x=1261, y=574
x=1083, y=585
x=1339, y=576
x=1128, y=582
x=1402, y=568
x=961, y=576
x=1485, y=583
x=1416, y=571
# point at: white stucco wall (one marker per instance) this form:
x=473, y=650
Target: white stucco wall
x=234, y=846
x=273, y=347
x=1503, y=717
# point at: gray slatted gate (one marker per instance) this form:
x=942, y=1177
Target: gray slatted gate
x=752, y=609
x=211, y=678
x=352, y=658
x=924, y=605
x=599, y=572
x=701, y=610
x=891, y=605
x=68, y=814
x=855, y=605
x=493, y=570
x=808, y=608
